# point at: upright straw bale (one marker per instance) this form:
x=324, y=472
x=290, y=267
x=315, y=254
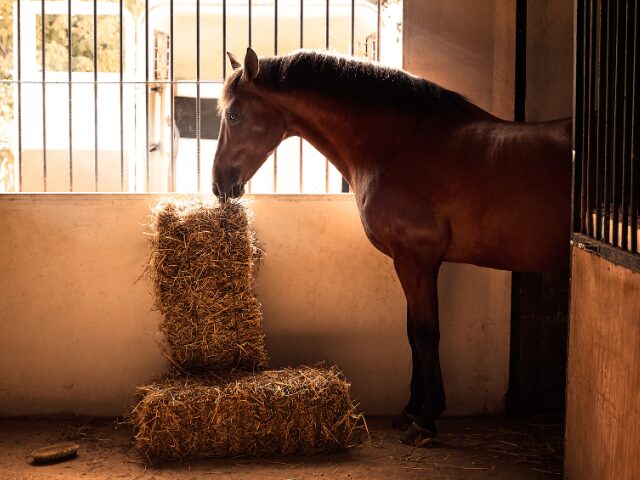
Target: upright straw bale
x=203, y=261
x=293, y=411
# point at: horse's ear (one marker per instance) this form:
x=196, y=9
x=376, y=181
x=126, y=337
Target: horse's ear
x=250, y=65
x=235, y=63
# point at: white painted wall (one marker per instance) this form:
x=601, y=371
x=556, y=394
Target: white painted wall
x=77, y=334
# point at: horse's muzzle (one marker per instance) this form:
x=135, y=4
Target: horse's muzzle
x=225, y=193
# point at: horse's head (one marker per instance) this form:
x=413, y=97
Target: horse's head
x=250, y=129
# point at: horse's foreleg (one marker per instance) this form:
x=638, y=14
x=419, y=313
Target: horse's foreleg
x=413, y=408
x=419, y=282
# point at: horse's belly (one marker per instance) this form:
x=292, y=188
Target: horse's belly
x=523, y=242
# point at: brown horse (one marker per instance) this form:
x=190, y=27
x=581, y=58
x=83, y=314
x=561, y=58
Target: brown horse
x=435, y=179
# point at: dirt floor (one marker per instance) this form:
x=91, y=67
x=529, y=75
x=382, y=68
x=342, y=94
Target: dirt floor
x=485, y=448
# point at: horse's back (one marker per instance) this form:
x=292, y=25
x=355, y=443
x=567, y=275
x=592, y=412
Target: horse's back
x=514, y=213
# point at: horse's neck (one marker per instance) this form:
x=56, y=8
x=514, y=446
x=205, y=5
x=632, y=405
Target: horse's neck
x=353, y=137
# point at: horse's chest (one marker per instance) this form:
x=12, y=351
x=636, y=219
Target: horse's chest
x=373, y=224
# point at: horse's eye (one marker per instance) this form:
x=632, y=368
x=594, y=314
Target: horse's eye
x=233, y=117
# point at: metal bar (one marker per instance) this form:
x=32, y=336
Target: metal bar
x=591, y=139
x=224, y=39
x=198, y=112
x=353, y=27
x=44, y=99
x=520, y=79
x=19, y=31
x=326, y=46
x=301, y=45
x=326, y=26
x=578, y=114
x=601, y=145
x=607, y=68
x=634, y=172
x=275, y=27
x=587, y=116
x=110, y=82
x=250, y=22
x=591, y=160
x=250, y=32
x=171, y=106
x=121, y=99
x=70, y=90
x=345, y=185
x=275, y=52
x=618, y=100
x=378, y=25
x=627, y=59
x=146, y=96
x=95, y=94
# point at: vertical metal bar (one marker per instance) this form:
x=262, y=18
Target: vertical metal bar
x=224, y=39
x=301, y=45
x=378, y=25
x=198, y=111
x=326, y=26
x=121, y=99
x=326, y=46
x=635, y=147
x=627, y=59
x=250, y=36
x=589, y=155
x=352, y=49
x=596, y=113
x=578, y=115
x=275, y=27
x=606, y=68
x=44, y=98
x=95, y=94
x=520, y=80
x=70, y=90
x=171, y=107
x=146, y=96
x=618, y=101
x=353, y=28
x=601, y=145
x=588, y=82
x=250, y=22
x=19, y=31
x=275, y=52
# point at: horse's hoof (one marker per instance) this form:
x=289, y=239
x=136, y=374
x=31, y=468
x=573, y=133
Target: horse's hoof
x=418, y=436
x=402, y=420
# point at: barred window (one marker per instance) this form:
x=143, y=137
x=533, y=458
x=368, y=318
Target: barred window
x=127, y=98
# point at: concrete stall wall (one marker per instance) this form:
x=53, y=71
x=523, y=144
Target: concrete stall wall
x=77, y=333
x=603, y=382
x=466, y=46
x=549, y=81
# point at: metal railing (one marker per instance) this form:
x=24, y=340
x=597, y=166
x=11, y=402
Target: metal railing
x=607, y=125
x=125, y=129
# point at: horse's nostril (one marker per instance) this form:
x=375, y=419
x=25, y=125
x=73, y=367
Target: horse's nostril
x=216, y=189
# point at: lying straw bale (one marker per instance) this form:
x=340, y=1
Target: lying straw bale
x=295, y=411
x=202, y=266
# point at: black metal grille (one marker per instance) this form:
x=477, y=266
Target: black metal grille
x=607, y=124
x=80, y=147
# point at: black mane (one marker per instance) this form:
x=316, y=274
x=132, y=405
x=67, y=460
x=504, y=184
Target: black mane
x=351, y=80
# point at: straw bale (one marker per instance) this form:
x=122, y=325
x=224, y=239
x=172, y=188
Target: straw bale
x=294, y=411
x=203, y=260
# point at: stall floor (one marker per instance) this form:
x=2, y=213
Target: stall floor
x=468, y=448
